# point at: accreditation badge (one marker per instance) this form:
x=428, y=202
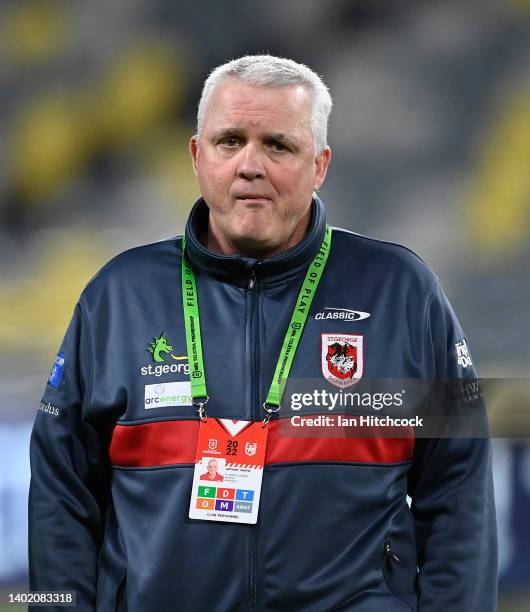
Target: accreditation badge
x=228, y=470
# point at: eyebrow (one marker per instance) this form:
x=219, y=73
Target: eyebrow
x=226, y=133
x=235, y=132
x=282, y=138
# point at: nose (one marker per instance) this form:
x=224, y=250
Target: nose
x=250, y=164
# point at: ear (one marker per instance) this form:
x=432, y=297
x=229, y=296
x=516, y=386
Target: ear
x=194, y=152
x=322, y=164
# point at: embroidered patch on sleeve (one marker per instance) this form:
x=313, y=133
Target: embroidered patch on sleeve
x=462, y=354
x=57, y=371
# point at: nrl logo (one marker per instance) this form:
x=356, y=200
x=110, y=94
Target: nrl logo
x=342, y=358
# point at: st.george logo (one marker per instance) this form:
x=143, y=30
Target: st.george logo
x=342, y=358
x=158, y=346
x=160, y=350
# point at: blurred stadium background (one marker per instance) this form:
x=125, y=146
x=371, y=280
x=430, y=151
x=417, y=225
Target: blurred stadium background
x=431, y=142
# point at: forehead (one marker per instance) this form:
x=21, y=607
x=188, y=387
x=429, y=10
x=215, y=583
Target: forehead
x=237, y=105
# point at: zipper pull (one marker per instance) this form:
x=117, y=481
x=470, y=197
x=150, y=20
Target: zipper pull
x=252, y=280
x=389, y=553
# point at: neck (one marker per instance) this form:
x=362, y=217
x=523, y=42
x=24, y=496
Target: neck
x=215, y=241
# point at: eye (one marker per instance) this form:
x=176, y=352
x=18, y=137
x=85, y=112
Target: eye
x=276, y=146
x=230, y=142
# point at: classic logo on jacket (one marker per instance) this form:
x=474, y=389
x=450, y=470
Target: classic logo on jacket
x=341, y=314
x=342, y=358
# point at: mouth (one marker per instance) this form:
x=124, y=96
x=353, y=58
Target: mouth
x=252, y=198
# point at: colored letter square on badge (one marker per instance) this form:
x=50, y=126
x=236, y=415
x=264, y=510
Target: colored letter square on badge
x=243, y=507
x=245, y=495
x=221, y=504
x=205, y=504
x=223, y=493
x=206, y=492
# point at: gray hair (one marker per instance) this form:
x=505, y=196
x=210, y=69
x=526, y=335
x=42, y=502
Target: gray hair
x=271, y=71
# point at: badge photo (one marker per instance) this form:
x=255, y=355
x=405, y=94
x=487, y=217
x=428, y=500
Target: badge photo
x=229, y=464
x=342, y=358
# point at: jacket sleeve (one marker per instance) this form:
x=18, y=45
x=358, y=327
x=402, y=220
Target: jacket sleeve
x=68, y=489
x=451, y=487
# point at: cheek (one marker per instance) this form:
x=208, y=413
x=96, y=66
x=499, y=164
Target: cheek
x=295, y=185
x=215, y=176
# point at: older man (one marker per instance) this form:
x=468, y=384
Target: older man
x=212, y=473
x=259, y=291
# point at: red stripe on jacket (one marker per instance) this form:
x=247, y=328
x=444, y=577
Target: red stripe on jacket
x=174, y=442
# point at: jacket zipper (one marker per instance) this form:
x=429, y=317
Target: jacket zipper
x=255, y=414
x=389, y=552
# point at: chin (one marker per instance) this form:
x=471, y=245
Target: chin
x=257, y=232
x=255, y=243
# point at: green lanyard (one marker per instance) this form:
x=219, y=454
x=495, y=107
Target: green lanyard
x=192, y=324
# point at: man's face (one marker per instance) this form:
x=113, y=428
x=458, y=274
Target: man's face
x=257, y=167
x=212, y=468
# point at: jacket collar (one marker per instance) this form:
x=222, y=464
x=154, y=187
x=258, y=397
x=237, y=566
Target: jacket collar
x=237, y=269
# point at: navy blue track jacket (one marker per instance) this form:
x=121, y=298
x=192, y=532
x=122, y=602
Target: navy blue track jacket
x=112, y=464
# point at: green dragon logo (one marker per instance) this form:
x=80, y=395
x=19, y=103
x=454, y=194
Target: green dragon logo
x=158, y=346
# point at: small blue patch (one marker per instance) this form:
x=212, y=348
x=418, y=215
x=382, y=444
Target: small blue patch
x=57, y=371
